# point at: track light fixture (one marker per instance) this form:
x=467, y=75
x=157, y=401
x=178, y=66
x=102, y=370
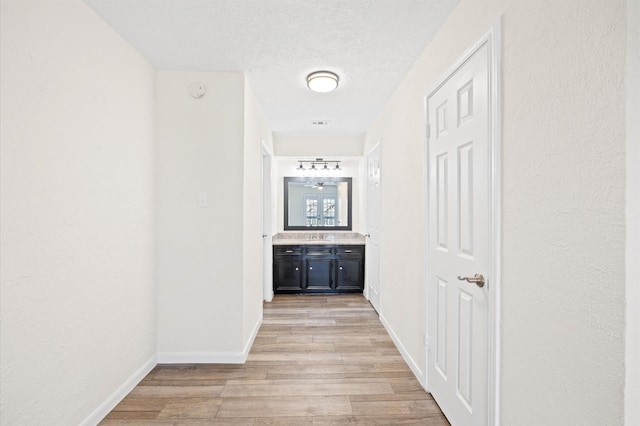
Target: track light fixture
x=319, y=165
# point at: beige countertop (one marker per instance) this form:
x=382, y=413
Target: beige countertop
x=294, y=238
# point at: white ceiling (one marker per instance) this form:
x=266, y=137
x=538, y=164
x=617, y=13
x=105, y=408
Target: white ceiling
x=370, y=44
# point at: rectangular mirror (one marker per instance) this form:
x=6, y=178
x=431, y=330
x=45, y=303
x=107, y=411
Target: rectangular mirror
x=317, y=203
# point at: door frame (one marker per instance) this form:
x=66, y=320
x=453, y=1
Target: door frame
x=632, y=268
x=492, y=39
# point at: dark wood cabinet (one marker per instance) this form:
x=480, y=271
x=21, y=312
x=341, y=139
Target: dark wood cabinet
x=288, y=273
x=349, y=274
x=319, y=274
x=318, y=269
x=349, y=268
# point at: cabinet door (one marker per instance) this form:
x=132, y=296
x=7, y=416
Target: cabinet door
x=319, y=274
x=349, y=274
x=287, y=274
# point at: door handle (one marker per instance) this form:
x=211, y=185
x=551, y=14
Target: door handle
x=477, y=279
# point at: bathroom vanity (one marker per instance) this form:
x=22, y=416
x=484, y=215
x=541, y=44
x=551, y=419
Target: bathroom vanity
x=318, y=262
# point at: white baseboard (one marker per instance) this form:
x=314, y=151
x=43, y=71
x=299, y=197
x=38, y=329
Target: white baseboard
x=227, y=357
x=417, y=371
x=170, y=358
x=252, y=338
x=200, y=358
x=108, y=405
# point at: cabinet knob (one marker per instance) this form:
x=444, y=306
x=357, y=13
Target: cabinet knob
x=341, y=268
x=310, y=268
x=296, y=269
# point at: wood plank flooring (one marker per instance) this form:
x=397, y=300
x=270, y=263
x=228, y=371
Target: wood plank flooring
x=317, y=360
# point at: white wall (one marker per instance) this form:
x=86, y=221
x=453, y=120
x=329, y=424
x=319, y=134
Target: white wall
x=563, y=203
x=209, y=223
x=200, y=220
x=310, y=146
x=77, y=312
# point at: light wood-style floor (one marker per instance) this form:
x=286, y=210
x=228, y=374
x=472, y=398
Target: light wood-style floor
x=317, y=360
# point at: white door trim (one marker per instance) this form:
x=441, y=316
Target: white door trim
x=493, y=40
x=265, y=149
x=632, y=291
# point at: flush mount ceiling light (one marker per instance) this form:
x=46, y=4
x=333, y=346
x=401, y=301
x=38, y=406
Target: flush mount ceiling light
x=322, y=81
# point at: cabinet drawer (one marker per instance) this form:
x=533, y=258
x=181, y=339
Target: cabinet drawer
x=288, y=250
x=319, y=251
x=349, y=250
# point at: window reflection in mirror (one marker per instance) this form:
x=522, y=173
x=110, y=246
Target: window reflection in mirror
x=317, y=203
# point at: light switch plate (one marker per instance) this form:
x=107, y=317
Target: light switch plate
x=203, y=200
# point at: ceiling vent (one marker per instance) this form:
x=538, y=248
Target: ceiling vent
x=320, y=122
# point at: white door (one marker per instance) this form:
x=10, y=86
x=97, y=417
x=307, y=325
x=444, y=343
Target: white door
x=267, y=256
x=373, y=227
x=459, y=194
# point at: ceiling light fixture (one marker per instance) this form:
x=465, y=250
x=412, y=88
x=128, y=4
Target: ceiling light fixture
x=322, y=81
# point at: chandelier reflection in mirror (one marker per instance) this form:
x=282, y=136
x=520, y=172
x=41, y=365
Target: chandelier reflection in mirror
x=319, y=167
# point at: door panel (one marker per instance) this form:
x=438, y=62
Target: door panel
x=465, y=200
x=458, y=243
x=267, y=254
x=373, y=227
x=441, y=328
x=442, y=208
x=465, y=349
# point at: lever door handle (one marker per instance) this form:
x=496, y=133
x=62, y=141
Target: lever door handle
x=477, y=279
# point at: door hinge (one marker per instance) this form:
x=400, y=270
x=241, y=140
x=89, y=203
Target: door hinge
x=426, y=342
x=428, y=131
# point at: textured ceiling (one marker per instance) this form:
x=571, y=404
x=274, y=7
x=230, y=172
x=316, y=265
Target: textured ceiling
x=370, y=44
